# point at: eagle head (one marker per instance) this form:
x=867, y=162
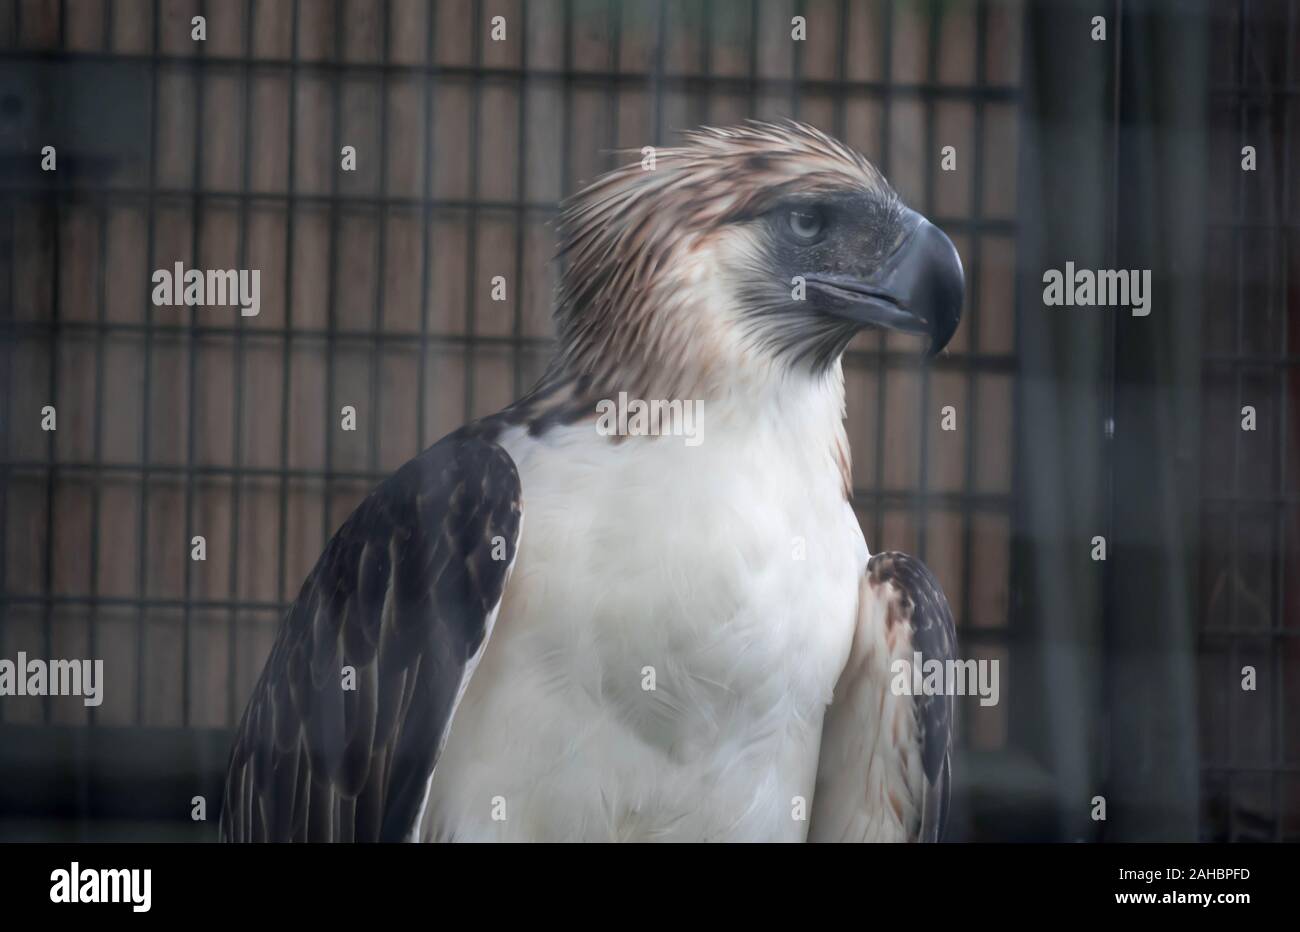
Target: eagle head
x=745, y=251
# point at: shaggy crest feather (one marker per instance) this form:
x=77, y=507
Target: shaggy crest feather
x=624, y=236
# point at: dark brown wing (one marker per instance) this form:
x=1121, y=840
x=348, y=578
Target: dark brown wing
x=398, y=607
x=934, y=636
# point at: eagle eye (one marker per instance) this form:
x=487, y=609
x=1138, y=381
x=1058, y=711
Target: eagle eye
x=806, y=224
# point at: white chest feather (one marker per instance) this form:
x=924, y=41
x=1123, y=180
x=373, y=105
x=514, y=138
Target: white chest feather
x=672, y=631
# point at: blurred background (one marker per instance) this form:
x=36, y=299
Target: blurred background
x=1119, y=678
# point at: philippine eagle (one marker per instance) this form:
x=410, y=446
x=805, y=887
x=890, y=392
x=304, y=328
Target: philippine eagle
x=556, y=631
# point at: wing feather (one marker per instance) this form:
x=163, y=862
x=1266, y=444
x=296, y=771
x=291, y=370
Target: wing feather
x=884, y=772
x=404, y=595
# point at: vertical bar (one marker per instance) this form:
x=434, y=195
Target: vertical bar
x=381, y=292
x=923, y=480
x=616, y=59
x=1108, y=381
x=101, y=342
x=1234, y=636
x=237, y=479
x=661, y=41
x=973, y=314
x=1109, y=360
x=887, y=71
x=471, y=223
x=286, y=348
x=1279, y=707
x=6, y=401
x=841, y=67
x=331, y=327
x=796, y=67
x=1016, y=511
x=97, y=483
x=566, y=139
x=142, y=580
x=426, y=222
x=55, y=346
x=193, y=338
x=706, y=67
x=52, y=475
x=753, y=57
x=521, y=215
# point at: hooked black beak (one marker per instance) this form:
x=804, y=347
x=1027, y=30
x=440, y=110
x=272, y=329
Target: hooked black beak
x=918, y=289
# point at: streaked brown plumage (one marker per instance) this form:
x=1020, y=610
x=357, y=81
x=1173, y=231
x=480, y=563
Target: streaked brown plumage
x=624, y=237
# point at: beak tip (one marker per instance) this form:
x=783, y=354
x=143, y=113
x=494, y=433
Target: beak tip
x=947, y=288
